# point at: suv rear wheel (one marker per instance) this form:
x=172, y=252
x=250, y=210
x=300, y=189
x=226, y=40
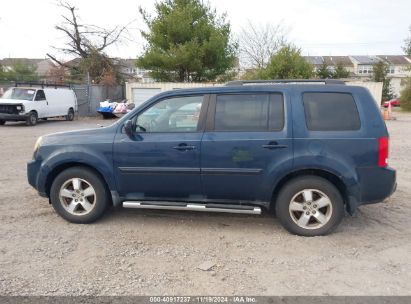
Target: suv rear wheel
x=309, y=206
x=2, y=122
x=79, y=195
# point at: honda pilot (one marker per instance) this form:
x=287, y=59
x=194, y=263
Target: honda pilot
x=307, y=150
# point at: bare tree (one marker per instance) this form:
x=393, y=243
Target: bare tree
x=87, y=42
x=258, y=43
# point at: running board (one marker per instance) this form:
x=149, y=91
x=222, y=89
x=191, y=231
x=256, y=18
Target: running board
x=194, y=207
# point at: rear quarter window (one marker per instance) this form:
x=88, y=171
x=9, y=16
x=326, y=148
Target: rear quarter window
x=331, y=112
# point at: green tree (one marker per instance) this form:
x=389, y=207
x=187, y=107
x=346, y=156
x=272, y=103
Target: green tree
x=186, y=41
x=21, y=72
x=2, y=73
x=407, y=45
x=405, y=98
x=287, y=63
x=380, y=72
x=340, y=71
x=323, y=72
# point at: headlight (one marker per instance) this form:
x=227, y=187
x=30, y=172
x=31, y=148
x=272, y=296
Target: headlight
x=20, y=108
x=37, y=146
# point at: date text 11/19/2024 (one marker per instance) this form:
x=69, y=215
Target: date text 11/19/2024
x=203, y=299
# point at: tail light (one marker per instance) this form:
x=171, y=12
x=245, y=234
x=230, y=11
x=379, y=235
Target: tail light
x=383, y=152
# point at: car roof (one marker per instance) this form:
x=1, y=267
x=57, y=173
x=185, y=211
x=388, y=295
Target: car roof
x=25, y=88
x=263, y=88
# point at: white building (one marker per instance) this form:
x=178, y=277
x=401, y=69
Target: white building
x=361, y=67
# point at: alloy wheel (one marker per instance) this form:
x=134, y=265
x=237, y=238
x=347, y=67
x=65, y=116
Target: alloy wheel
x=77, y=196
x=310, y=209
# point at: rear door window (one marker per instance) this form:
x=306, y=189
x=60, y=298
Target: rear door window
x=249, y=112
x=331, y=112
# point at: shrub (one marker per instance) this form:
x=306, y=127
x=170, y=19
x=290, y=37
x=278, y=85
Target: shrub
x=405, y=98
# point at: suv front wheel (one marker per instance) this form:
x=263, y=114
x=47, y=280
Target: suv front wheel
x=309, y=206
x=79, y=195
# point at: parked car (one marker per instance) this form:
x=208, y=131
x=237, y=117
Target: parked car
x=393, y=102
x=309, y=151
x=30, y=104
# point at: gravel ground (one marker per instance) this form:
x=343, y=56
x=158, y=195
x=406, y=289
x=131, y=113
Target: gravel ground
x=142, y=252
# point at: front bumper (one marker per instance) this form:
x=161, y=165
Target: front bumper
x=33, y=176
x=13, y=117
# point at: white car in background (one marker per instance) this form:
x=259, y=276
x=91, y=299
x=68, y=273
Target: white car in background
x=30, y=104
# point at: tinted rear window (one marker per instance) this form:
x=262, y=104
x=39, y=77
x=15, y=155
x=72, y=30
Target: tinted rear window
x=331, y=112
x=249, y=112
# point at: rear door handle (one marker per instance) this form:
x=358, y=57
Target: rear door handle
x=184, y=147
x=274, y=145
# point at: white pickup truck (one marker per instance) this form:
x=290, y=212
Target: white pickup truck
x=30, y=104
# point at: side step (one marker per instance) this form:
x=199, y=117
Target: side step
x=194, y=207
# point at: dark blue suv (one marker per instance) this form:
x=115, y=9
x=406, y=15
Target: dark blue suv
x=308, y=150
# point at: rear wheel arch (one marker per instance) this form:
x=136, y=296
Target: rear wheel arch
x=62, y=167
x=331, y=177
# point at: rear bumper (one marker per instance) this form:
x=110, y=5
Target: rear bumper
x=13, y=117
x=377, y=184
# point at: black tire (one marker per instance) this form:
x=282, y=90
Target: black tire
x=32, y=119
x=70, y=115
x=100, y=200
x=334, y=211
x=2, y=122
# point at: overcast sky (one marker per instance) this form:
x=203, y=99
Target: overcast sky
x=319, y=27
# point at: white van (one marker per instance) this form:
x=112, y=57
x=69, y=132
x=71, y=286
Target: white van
x=30, y=104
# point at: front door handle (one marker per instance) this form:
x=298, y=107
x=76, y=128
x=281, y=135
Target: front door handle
x=184, y=147
x=274, y=145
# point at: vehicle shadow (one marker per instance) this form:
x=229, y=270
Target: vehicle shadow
x=189, y=218
x=23, y=124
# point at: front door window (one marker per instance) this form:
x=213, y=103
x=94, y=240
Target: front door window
x=174, y=115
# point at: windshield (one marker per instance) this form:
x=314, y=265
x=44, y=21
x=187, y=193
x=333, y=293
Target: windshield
x=20, y=94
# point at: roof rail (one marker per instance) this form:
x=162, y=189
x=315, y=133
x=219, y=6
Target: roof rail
x=42, y=84
x=280, y=81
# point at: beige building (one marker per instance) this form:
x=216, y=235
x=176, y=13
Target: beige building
x=399, y=71
x=138, y=92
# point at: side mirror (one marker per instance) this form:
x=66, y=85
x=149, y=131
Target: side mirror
x=128, y=128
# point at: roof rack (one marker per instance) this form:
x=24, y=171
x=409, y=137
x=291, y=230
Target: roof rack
x=42, y=84
x=280, y=81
